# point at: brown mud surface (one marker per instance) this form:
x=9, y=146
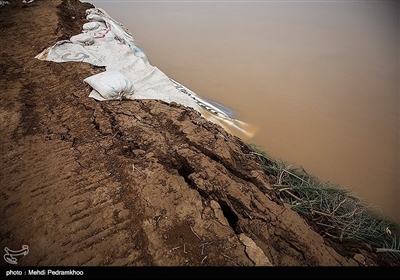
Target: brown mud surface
x=131, y=183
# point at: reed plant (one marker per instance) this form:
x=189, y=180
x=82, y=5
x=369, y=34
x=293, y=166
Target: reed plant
x=336, y=211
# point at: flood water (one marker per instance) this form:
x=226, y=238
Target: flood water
x=319, y=79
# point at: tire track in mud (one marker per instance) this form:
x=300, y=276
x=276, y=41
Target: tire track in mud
x=94, y=220
x=67, y=214
x=87, y=195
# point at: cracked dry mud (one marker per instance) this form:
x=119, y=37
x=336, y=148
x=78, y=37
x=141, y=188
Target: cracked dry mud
x=131, y=183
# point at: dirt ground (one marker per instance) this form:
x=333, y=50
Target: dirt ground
x=131, y=183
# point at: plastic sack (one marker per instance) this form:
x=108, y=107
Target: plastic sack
x=94, y=11
x=82, y=39
x=91, y=25
x=110, y=85
x=94, y=17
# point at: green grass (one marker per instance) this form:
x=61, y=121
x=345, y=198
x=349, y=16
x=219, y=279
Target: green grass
x=337, y=212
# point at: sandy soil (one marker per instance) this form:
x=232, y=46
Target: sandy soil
x=131, y=183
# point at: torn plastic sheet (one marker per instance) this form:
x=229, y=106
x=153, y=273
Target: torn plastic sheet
x=105, y=42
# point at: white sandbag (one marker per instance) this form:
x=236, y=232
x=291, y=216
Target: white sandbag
x=110, y=85
x=94, y=11
x=90, y=25
x=94, y=17
x=82, y=39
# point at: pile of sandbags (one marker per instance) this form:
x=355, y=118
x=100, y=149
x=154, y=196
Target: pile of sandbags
x=128, y=75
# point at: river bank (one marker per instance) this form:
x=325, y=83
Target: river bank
x=132, y=183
